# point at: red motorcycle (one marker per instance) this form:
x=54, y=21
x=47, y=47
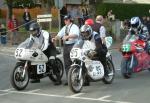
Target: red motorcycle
x=135, y=58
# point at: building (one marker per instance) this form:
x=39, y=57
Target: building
x=127, y=1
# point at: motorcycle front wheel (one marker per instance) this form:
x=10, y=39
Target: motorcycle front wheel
x=75, y=84
x=17, y=80
x=108, y=79
x=57, y=71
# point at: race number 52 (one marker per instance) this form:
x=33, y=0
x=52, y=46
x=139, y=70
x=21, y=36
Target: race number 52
x=18, y=52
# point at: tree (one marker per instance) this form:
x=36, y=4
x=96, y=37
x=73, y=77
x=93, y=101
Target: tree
x=9, y=4
x=18, y=4
x=47, y=4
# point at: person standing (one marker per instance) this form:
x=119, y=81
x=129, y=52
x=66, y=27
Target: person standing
x=69, y=34
x=3, y=34
x=63, y=12
x=99, y=28
x=26, y=18
x=13, y=28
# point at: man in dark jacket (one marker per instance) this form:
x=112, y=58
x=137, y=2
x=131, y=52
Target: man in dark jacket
x=26, y=18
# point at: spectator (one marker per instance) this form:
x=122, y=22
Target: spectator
x=3, y=34
x=143, y=20
x=89, y=22
x=63, y=12
x=69, y=34
x=80, y=17
x=99, y=27
x=26, y=18
x=85, y=14
x=148, y=24
x=13, y=28
x=110, y=15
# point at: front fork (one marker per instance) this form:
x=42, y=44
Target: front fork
x=80, y=68
x=80, y=72
x=25, y=68
x=131, y=63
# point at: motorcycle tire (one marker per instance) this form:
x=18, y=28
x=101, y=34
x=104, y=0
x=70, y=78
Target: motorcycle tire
x=74, y=83
x=125, y=63
x=18, y=82
x=108, y=79
x=53, y=77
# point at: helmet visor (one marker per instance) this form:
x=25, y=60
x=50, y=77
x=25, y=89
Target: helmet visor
x=85, y=35
x=33, y=32
x=135, y=25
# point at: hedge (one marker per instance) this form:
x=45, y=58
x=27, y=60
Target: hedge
x=123, y=11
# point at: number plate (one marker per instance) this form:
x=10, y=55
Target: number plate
x=75, y=53
x=18, y=52
x=41, y=68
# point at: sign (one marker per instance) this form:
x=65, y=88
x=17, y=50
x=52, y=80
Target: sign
x=44, y=18
x=59, y=4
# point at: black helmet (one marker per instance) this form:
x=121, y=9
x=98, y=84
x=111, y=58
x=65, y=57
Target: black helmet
x=34, y=29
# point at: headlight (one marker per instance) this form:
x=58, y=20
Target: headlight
x=126, y=47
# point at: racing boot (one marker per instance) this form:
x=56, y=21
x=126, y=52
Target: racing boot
x=87, y=81
x=35, y=80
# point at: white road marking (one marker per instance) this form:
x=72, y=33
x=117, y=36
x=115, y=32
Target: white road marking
x=70, y=97
x=107, y=96
x=33, y=91
x=9, y=89
x=75, y=95
x=4, y=94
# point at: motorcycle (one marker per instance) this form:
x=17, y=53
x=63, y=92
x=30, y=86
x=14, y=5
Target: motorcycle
x=135, y=58
x=83, y=66
x=34, y=64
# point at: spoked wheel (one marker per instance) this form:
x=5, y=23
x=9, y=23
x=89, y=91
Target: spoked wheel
x=125, y=68
x=18, y=81
x=109, y=77
x=58, y=71
x=74, y=82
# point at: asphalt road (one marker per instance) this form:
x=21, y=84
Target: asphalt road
x=134, y=90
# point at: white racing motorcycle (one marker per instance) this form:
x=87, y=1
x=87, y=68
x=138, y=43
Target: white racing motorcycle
x=82, y=65
x=33, y=64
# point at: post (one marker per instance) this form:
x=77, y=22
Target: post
x=59, y=19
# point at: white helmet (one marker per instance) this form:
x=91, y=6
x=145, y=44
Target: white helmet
x=135, y=22
x=86, y=31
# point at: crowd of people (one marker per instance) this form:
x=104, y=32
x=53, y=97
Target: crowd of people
x=12, y=28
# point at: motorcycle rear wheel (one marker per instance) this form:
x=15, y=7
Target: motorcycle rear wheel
x=125, y=63
x=60, y=70
x=108, y=79
x=17, y=81
x=74, y=83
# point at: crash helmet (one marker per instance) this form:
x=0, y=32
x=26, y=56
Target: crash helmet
x=135, y=22
x=86, y=32
x=34, y=29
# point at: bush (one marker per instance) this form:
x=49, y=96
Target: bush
x=123, y=11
